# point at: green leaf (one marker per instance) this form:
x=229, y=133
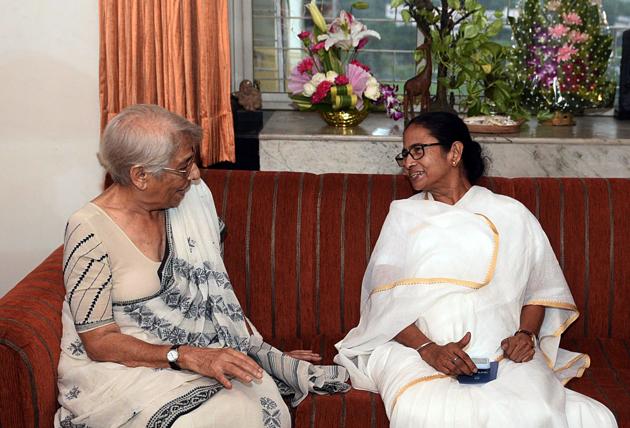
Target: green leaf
x=395, y=3
x=494, y=28
x=406, y=15
x=470, y=5
x=360, y=5
x=453, y=4
x=470, y=31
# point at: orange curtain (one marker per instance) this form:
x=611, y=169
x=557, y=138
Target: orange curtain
x=174, y=53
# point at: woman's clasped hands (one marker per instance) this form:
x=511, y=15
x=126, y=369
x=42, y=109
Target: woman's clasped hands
x=450, y=359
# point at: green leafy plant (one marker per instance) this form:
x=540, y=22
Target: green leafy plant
x=470, y=63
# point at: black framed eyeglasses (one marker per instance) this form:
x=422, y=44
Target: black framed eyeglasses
x=185, y=173
x=416, y=152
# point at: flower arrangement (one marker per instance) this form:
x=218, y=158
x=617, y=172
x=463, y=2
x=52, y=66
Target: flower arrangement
x=563, y=50
x=330, y=77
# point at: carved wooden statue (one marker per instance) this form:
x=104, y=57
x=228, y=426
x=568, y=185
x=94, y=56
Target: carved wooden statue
x=419, y=86
x=249, y=96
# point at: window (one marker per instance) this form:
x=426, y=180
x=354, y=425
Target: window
x=266, y=48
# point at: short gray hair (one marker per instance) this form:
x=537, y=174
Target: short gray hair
x=143, y=134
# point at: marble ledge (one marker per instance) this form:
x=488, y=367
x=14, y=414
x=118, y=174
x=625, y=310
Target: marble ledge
x=595, y=147
x=296, y=125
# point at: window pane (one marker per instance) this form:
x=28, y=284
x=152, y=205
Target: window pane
x=277, y=49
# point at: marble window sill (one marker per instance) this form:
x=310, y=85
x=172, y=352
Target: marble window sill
x=299, y=141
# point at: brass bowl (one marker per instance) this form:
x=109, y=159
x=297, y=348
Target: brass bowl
x=344, y=118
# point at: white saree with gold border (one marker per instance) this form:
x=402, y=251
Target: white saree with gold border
x=468, y=267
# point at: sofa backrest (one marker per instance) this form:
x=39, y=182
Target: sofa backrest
x=298, y=243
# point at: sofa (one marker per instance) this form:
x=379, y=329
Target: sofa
x=296, y=248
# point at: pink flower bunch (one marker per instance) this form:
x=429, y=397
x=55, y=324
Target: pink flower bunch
x=566, y=52
x=558, y=31
x=331, y=60
x=572, y=18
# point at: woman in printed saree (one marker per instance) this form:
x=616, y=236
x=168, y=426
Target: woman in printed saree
x=153, y=334
x=458, y=273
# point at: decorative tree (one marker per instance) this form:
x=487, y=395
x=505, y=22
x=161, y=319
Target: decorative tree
x=468, y=60
x=563, y=49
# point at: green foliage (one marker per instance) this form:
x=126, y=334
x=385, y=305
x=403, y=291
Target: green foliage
x=567, y=69
x=469, y=61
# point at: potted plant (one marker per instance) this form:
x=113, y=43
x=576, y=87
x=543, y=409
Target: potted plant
x=469, y=61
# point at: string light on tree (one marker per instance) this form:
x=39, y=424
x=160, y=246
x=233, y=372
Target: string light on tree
x=563, y=47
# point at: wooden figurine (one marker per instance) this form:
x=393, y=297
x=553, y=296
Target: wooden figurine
x=419, y=86
x=249, y=96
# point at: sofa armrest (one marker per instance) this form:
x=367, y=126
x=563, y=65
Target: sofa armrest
x=30, y=334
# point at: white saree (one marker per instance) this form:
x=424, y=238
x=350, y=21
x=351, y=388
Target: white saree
x=195, y=305
x=471, y=267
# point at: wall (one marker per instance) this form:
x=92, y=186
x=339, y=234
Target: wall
x=49, y=126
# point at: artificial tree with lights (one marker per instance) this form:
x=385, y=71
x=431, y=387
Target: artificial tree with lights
x=563, y=48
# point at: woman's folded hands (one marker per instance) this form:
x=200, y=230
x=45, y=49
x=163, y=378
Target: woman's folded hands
x=450, y=358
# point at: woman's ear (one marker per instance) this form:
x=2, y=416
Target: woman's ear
x=138, y=177
x=457, y=150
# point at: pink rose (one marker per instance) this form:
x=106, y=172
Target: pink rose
x=304, y=35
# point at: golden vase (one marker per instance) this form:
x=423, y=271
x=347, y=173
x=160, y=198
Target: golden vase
x=344, y=118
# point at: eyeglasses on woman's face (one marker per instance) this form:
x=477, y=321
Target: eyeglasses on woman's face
x=416, y=152
x=185, y=173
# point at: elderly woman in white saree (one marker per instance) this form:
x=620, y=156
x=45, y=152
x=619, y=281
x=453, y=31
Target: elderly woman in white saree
x=459, y=272
x=153, y=334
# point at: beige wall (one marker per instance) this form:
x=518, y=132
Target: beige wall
x=49, y=124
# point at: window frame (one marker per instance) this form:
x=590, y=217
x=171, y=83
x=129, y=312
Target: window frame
x=242, y=49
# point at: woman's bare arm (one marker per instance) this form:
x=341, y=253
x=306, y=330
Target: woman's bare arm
x=108, y=343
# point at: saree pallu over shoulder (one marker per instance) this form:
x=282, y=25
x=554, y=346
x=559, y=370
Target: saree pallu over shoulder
x=451, y=269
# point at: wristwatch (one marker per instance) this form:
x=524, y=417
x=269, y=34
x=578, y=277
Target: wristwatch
x=172, y=356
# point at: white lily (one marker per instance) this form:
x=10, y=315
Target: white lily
x=346, y=32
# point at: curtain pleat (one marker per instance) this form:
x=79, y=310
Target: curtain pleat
x=172, y=53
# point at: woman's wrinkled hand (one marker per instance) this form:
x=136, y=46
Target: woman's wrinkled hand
x=519, y=348
x=220, y=364
x=450, y=359
x=305, y=354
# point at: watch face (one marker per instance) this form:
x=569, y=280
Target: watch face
x=172, y=355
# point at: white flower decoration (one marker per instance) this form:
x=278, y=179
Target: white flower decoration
x=346, y=32
x=373, y=89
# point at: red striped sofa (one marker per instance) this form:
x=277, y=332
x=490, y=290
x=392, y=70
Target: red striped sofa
x=296, y=249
